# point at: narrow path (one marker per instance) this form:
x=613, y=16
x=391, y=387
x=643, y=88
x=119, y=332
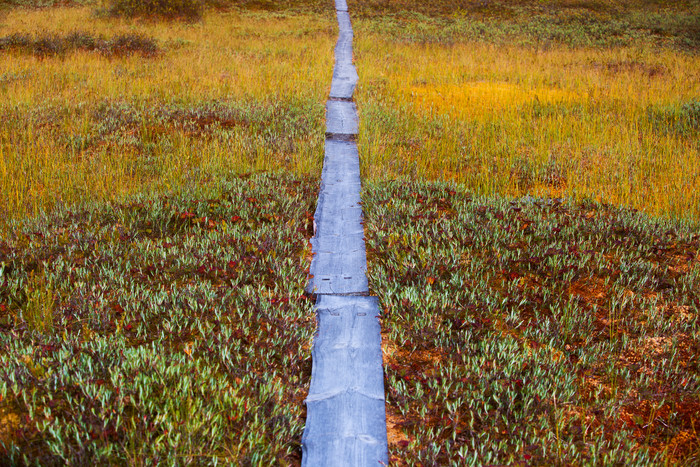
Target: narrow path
x=346, y=421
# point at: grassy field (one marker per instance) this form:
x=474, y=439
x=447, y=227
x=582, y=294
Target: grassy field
x=238, y=91
x=538, y=277
x=151, y=294
x=593, y=100
x=526, y=321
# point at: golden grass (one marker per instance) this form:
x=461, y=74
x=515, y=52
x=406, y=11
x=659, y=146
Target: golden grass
x=228, y=55
x=244, y=59
x=517, y=120
x=502, y=119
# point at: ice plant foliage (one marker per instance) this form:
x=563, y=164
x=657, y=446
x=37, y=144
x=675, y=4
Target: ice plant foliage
x=534, y=330
x=163, y=328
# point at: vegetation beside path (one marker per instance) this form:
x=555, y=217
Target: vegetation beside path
x=105, y=108
x=534, y=331
x=151, y=299
x=169, y=329
x=542, y=308
x=594, y=99
x=525, y=322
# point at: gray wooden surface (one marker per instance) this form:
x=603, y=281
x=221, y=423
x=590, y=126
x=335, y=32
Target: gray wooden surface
x=341, y=118
x=339, y=265
x=344, y=72
x=346, y=421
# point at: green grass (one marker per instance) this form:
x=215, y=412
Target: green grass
x=534, y=330
x=43, y=3
x=171, y=329
x=600, y=23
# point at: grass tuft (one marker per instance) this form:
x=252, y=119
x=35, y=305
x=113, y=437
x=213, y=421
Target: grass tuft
x=53, y=45
x=189, y=10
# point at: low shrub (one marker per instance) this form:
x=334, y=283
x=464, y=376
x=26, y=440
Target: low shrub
x=190, y=10
x=131, y=43
x=42, y=3
x=15, y=41
x=52, y=45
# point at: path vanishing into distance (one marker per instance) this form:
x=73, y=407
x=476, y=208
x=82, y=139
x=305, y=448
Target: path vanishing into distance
x=346, y=419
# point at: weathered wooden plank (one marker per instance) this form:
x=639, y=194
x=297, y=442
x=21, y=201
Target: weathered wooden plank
x=339, y=265
x=344, y=24
x=341, y=118
x=332, y=220
x=346, y=421
x=341, y=162
x=343, y=48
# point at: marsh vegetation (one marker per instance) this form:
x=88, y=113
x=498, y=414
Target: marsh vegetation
x=593, y=100
x=532, y=209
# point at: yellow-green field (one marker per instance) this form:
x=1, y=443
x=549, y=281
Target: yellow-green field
x=236, y=92
x=617, y=124
x=151, y=304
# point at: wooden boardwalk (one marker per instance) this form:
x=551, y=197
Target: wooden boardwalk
x=346, y=420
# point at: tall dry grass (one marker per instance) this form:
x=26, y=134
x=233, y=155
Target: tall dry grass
x=616, y=124
x=236, y=92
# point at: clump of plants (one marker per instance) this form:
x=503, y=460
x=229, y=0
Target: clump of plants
x=683, y=119
x=42, y=3
x=534, y=331
x=52, y=45
x=274, y=5
x=171, y=328
x=190, y=10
